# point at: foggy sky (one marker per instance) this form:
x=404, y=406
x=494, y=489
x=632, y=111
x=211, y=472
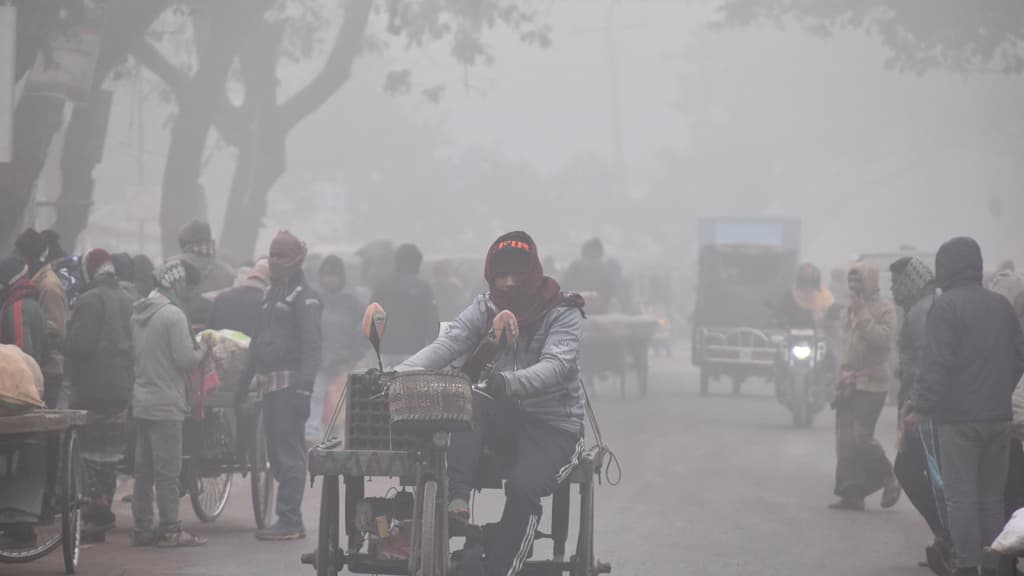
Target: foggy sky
x=761, y=121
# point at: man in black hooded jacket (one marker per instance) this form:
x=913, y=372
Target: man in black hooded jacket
x=973, y=359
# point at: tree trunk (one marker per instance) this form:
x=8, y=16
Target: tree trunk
x=181, y=196
x=269, y=145
x=83, y=150
x=36, y=120
x=124, y=27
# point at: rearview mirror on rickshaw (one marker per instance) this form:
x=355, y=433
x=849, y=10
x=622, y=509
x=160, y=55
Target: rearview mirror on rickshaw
x=374, y=322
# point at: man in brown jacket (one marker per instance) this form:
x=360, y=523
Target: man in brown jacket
x=869, y=330
x=34, y=249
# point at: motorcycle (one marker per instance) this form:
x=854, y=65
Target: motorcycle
x=802, y=382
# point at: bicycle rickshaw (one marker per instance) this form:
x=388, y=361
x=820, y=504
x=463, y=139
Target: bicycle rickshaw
x=397, y=426
x=222, y=438
x=40, y=486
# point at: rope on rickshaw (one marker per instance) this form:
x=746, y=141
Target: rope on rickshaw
x=603, y=449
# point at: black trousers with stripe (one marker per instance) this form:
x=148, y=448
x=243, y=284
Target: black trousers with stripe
x=543, y=457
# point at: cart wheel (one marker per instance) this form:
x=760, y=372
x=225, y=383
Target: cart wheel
x=429, y=532
x=71, y=526
x=259, y=476
x=209, y=496
x=46, y=538
x=705, y=382
x=328, y=561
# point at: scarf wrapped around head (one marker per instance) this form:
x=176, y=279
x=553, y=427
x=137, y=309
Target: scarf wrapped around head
x=197, y=238
x=287, y=253
x=173, y=279
x=516, y=253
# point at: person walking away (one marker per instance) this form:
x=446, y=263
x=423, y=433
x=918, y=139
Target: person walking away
x=99, y=348
x=412, y=309
x=35, y=250
x=344, y=345
x=913, y=289
x=165, y=352
x=21, y=318
x=199, y=250
x=590, y=273
x=868, y=332
x=238, y=308
x=535, y=419
x=973, y=359
x=285, y=357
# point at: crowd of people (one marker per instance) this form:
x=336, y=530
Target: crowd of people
x=956, y=337
x=116, y=336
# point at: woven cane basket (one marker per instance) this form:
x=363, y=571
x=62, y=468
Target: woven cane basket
x=431, y=400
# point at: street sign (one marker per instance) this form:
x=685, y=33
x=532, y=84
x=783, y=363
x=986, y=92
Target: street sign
x=7, y=35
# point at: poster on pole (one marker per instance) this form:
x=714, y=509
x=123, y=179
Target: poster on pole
x=7, y=15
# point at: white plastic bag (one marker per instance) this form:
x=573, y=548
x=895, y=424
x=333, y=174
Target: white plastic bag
x=1011, y=541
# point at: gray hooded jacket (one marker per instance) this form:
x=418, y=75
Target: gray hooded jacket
x=164, y=354
x=546, y=383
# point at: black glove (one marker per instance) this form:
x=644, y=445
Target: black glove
x=496, y=386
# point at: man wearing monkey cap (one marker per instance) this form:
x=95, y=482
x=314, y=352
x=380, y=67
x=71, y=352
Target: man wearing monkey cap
x=535, y=415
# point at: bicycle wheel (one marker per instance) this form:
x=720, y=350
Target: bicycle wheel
x=260, y=479
x=428, y=534
x=71, y=526
x=27, y=543
x=209, y=496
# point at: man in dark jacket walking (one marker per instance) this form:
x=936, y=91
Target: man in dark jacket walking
x=412, y=311
x=973, y=359
x=99, y=347
x=913, y=288
x=285, y=358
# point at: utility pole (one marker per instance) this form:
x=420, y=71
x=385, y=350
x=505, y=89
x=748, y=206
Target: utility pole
x=618, y=141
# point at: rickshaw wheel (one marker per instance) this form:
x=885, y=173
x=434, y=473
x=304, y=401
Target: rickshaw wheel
x=327, y=552
x=71, y=526
x=705, y=382
x=259, y=476
x=209, y=496
x=48, y=539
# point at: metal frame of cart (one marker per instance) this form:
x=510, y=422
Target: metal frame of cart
x=41, y=484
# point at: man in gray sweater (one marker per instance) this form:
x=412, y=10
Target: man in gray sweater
x=535, y=418
x=165, y=352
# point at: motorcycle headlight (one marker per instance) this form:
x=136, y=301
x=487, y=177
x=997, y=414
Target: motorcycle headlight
x=801, y=351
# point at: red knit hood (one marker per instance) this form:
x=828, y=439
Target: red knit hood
x=516, y=253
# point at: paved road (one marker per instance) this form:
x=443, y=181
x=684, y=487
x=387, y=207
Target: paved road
x=710, y=486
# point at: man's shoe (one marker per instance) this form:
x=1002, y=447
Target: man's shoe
x=280, y=533
x=180, y=539
x=848, y=504
x=141, y=539
x=891, y=493
x=937, y=561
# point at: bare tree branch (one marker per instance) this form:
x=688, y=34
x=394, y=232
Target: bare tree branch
x=336, y=70
x=158, y=64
